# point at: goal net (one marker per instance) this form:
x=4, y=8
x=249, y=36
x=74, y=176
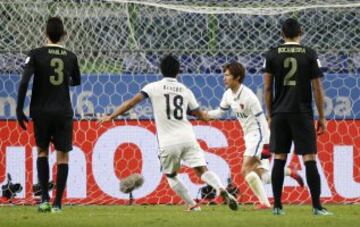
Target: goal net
x=119, y=45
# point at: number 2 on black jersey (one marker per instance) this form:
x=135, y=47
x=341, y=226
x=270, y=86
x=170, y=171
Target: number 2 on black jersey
x=177, y=101
x=289, y=79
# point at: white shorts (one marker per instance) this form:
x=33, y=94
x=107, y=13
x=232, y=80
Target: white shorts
x=254, y=143
x=190, y=153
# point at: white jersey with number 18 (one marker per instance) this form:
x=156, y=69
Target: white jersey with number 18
x=170, y=101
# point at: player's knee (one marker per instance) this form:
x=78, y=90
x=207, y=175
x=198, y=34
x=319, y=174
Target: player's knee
x=42, y=152
x=249, y=164
x=200, y=170
x=281, y=156
x=246, y=169
x=309, y=157
x=62, y=157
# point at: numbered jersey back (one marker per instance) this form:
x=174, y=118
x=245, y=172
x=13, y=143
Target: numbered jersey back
x=54, y=67
x=171, y=100
x=293, y=66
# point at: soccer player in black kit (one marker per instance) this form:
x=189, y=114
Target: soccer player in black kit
x=54, y=69
x=293, y=71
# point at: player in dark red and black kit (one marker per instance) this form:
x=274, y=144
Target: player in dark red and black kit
x=54, y=69
x=294, y=72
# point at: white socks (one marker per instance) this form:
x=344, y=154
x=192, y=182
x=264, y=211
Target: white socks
x=266, y=177
x=181, y=190
x=257, y=187
x=209, y=177
x=213, y=180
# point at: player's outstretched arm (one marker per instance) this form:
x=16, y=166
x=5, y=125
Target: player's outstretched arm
x=127, y=105
x=215, y=114
x=319, y=100
x=202, y=115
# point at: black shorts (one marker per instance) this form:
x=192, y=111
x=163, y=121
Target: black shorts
x=55, y=129
x=297, y=128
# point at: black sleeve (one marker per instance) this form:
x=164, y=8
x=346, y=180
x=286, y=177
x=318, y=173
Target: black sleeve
x=267, y=68
x=26, y=76
x=315, y=71
x=75, y=76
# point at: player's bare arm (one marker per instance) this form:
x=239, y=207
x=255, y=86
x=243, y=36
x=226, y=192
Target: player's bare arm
x=202, y=115
x=123, y=108
x=319, y=100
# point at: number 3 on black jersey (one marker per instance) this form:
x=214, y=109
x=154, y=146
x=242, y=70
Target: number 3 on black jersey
x=58, y=65
x=289, y=79
x=177, y=101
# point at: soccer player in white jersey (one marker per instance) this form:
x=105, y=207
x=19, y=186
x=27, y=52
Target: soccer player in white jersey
x=170, y=101
x=246, y=106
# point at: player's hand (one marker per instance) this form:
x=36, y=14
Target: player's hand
x=265, y=153
x=104, y=119
x=205, y=116
x=321, y=126
x=21, y=118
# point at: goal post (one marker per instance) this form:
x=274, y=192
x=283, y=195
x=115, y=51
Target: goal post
x=119, y=45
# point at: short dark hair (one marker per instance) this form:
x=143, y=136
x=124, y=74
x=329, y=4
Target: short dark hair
x=55, y=29
x=291, y=28
x=170, y=66
x=236, y=69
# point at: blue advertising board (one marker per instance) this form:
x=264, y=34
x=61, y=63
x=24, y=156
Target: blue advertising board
x=101, y=93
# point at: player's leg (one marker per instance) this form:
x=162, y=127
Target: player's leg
x=294, y=174
x=264, y=172
x=42, y=137
x=305, y=144
x=280, y=143
x=209, y=177
x=62, y=140
x=170, y=163
x=62, y=160
x=214, y=181
x=181, y=190
x=249, y=169
x=313, y=179
x=314, y=183
x=42, y=165
x=252, y=177
x=277, y=181
x=194, y=157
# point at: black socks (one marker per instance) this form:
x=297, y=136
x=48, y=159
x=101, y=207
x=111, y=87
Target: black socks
x=42, y=165
x=314, y=183
x=277, y=181
x=62, y=174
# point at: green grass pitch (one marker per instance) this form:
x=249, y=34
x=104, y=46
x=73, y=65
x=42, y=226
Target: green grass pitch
x=172, y=216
